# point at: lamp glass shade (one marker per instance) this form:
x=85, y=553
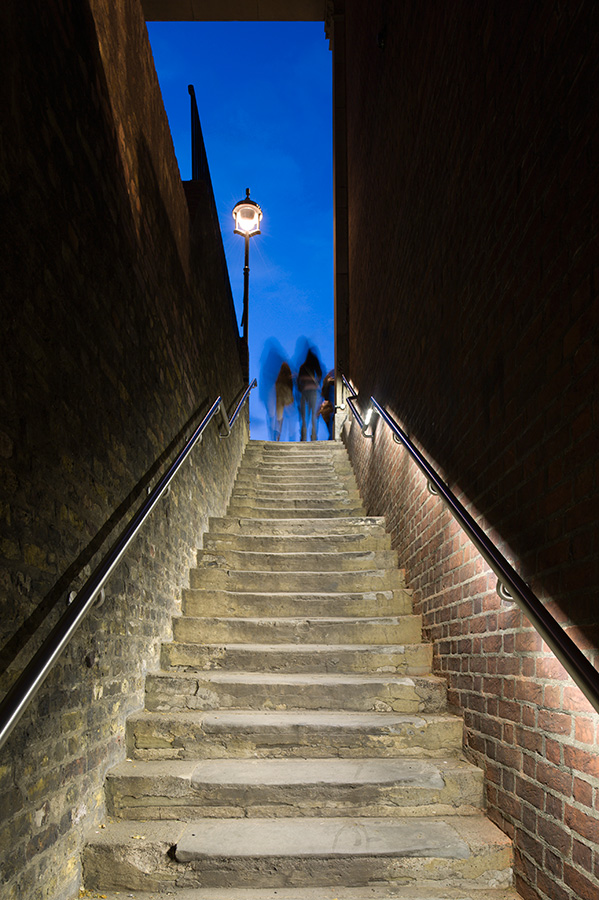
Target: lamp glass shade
x=247, y=215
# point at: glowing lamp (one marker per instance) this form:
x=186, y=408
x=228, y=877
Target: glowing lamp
x=247, y=215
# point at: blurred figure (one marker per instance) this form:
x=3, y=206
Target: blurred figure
x=308, y=383
x=272, y=358
x=283, y=397
x=327, y=407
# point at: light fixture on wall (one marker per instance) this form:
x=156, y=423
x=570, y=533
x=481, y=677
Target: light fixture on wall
x=247, y=215
x=367, y=422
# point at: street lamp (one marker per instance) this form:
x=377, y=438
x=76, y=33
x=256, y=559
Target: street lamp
x=247, y=215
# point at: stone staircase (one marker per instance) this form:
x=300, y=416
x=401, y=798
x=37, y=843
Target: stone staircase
x=295, y=745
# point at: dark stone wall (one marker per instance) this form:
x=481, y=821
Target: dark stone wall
x=118, y=333
x=474, y=318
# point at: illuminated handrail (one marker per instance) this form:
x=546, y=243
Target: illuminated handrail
x=510, y=586
x=30, y=680
x=363, y=423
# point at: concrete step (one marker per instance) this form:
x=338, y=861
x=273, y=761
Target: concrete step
x=242, y=734
x=312, y=582
x=300, y=543
x=304, y=561
x=293, y=630
x=263, y=604
x=460, y=851
x=233, y=788
x=422, y=891
x=180, y=691
x=403, y=659
x=288, y=527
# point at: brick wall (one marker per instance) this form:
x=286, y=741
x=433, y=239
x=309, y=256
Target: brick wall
x=472, y=166
x=118, y=332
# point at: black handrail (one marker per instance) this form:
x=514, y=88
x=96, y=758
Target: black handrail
x=31, y=678
x=228, y=423
x=510, y=585
x=350, y=402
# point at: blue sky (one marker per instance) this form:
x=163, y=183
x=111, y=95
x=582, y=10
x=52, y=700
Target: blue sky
x=264, y=98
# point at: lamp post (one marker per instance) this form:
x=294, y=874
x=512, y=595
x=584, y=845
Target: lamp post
x=247, y=215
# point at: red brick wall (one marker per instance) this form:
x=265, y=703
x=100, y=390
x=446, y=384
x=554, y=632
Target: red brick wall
x=474, y=319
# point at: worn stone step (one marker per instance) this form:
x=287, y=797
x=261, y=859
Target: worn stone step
x=233, y=788
x=291, y=630
x=403, y=659
x=300, y=543
x=302, y=561
x=293, y=505
x=290, y=527
x=291, y=481
x=303, y=582
x=422, y=891
x=316, y=455
x=291, y=734
x=283, y=447
x=297, y=466
x=287, y=527
x=461, y=851
x=180, y=691
x=250, y=604
x=292, y=498
x=323, y=483
x=309, y=512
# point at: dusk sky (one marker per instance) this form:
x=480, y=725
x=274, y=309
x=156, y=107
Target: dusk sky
x=264, y=97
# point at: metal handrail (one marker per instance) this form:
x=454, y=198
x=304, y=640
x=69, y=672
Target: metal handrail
x=228, y=423
x=510, y=585
x=350, y=402
x=33, y=675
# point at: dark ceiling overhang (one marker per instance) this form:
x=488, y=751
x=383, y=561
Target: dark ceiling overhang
x=235, y=10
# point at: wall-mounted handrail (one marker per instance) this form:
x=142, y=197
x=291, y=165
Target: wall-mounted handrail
x=33, y=675
x=510, y=585
x=352, y=396
x=228, y=423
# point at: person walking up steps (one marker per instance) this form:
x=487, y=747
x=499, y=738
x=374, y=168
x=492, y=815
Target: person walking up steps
x=308, y=382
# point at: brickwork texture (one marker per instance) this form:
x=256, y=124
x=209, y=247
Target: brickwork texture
x=474, y=319
x=118, y=333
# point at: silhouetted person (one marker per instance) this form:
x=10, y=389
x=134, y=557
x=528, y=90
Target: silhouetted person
x=327, y=407
x=308, y=383
x=283, y=397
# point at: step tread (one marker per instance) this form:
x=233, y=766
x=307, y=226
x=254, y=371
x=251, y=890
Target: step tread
x=312, y=596
x=290, y=678
x=404, y=771
x=216, y=721
x=320, y=524
x=453, y=837
x=300, y=648
x=386, y=554
x=371, y=892
x=377, y=620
